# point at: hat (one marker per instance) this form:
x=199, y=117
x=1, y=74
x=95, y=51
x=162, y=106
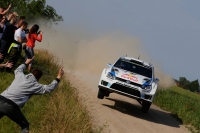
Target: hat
x=15, y=13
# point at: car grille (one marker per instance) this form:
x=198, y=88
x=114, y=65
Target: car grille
x=126, y=89
x=148, y=97
x=104, y=83
x=132, y=83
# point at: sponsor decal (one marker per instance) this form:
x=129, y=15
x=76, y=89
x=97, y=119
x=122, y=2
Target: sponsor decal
x=129, y=77
x=128, y=82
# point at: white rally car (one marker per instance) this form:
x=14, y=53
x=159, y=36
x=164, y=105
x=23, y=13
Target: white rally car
x=129, y=77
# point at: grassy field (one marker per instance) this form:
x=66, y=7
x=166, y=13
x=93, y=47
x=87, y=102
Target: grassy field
x=183, y=104
x=58, y=112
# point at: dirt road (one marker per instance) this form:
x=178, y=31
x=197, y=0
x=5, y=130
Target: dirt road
x=119, y=114
x=87, y=54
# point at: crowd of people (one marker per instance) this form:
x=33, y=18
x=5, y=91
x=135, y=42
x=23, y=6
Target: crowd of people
x=14, y=33
x=14, y=36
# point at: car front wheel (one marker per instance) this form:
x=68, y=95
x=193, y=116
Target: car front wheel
x=145, y=106
x=101, y=94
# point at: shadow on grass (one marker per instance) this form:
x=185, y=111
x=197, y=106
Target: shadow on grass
x=153, y=115
x=177, y=118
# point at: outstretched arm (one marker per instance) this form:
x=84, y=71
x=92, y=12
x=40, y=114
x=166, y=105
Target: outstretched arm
x=42, y=89
x=20, y=69
x=8, y=64
x=5, y=11
x=39, y=37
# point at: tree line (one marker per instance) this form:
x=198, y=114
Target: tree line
x=186, y=84
x=33, y=9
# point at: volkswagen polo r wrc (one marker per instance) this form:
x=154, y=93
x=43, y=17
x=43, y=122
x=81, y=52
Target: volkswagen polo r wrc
x=130, y=77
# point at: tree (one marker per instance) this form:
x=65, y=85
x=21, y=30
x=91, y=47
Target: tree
x=33, y=10
x=194, y=86
x=184, y=83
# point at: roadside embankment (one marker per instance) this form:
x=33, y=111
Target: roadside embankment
x=60, y=111
x=183, y=104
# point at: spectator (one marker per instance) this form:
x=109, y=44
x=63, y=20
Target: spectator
x=6, y=65
x=1, y=16
x=3, y=12
x=20, y=35
x=16, y=14
x=1, y=29
x=10, y=14
x=31, y=38
x=7, y=37
x=21, y=19
x=16, y=47
x=18, y=93
x=2, y=25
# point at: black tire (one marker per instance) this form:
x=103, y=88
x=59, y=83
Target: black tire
x=145, y=106
x=101, y=94
x=107, y=93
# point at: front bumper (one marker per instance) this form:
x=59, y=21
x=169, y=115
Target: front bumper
x=126, y=91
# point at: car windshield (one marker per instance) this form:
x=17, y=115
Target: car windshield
x=134, y=67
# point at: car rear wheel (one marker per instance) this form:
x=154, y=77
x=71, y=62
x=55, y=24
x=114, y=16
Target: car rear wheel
x=101, y=94
x=145, y=106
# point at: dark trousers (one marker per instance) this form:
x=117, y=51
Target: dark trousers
x=4, y=49
x=13, y=56
x=11, y=110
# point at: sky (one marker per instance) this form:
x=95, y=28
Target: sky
x=169, y=30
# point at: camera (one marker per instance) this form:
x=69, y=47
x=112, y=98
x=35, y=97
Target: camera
x=39, y=32
x=26, y=31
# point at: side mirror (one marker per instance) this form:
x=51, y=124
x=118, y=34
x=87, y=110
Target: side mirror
x=157, y=80
x=110, y=65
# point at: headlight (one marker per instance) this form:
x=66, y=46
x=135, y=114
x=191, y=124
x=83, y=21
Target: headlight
x=147, y=85
x=111, y=76
x=148, y=88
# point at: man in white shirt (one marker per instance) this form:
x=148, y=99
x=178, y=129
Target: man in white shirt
x=20, y=35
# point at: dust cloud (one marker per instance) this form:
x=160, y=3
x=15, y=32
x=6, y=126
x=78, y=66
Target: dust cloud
x=88, y=53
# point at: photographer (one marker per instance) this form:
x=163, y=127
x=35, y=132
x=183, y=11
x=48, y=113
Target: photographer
x=32, y=36
x=20, y=90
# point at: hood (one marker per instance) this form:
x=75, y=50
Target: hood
x=133, y=77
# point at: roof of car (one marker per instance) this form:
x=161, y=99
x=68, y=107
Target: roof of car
x=137, y=60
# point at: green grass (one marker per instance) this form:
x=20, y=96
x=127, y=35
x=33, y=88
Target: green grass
x=58, y=112
x=183, y=104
